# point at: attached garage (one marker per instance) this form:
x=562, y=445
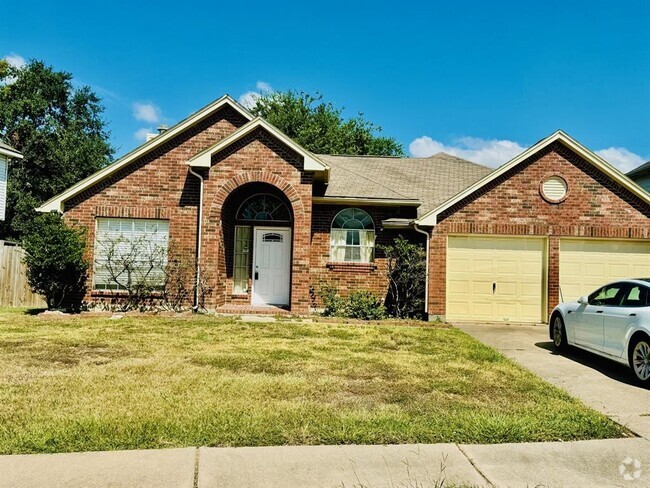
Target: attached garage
x=495, y=279
x=586, y=264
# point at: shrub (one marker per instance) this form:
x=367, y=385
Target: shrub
x=406, y=278
x=363, y=304
x=360, y=304
x=334, y=305
x=55, y=262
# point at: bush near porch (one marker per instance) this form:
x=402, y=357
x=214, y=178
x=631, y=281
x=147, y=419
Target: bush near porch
x=92, y=383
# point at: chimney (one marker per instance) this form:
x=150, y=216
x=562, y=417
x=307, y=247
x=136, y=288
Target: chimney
x=162, y=129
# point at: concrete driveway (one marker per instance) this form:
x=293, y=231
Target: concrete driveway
x=602, y=384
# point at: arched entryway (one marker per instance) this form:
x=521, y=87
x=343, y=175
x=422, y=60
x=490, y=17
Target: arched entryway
x=257, y=221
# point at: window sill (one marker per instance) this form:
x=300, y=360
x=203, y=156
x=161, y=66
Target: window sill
x=351, y=267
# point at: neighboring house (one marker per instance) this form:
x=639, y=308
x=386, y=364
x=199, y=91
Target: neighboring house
x=641, y=176
x=270, y=222
x=6, y=154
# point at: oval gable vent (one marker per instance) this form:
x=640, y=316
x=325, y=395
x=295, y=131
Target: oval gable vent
x=554, y=189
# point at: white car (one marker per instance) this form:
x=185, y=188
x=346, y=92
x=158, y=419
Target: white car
x=613, y=322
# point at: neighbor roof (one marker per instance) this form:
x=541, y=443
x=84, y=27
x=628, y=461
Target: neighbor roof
x=7, y=150
x=427, y=181
x=638, y=170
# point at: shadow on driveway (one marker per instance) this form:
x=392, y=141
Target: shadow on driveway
x=605, y=366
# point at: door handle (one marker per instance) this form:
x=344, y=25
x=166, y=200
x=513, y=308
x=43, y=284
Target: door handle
x=632, y=314
x=494, y=288
x=257, y=275
x=599, y=311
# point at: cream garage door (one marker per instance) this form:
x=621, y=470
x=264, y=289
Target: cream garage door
x=586, y=264
x=495, y=278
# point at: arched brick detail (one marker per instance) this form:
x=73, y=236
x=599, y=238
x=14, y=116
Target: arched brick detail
x=257, y=177
x=218, y=189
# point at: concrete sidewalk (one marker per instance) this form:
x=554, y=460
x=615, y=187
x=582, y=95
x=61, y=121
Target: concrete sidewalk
x=602, y=463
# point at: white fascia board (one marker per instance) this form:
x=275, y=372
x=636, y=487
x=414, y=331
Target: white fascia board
x=383, y=202
x=57, y=202
x=12, y=154
x=204, y=158
x=431, y=218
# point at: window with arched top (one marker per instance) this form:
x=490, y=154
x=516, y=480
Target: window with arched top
x=264, y=207
x=352, y=237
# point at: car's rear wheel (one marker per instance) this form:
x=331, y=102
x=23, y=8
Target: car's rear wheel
x=640, y=359
x=559, y=333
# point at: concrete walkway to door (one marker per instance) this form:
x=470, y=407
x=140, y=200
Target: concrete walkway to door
x=604, y=385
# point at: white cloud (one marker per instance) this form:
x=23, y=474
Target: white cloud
x=249, y=98
x=146, y=112
x=141, y=134
x=15, y=60
x=495, y=152
x=490, y=152
x=622, y=158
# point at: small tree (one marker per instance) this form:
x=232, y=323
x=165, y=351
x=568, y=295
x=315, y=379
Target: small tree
x=56, y=267
x=406, y=278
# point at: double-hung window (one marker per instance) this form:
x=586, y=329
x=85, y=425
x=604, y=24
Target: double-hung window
x=130, y=252
x=352, y=237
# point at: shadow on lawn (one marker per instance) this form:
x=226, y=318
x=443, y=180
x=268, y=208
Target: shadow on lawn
x=609, y=368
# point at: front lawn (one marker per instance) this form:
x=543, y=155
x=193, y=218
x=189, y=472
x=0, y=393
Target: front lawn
x=89, y=383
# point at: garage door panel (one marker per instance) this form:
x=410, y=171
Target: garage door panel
x=586, y=264
x=514, y=264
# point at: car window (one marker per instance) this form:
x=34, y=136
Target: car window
x=636, y=296
x=610, y=295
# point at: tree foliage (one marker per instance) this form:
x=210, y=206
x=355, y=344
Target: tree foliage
x=59, y=130
x=406, y=278
x=56, y=267
x=320, y=127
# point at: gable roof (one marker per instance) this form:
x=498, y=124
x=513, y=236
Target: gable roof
x=7, y=150
x=426, y=182
x=56, y=203
x=431, y=218
x=204, y=158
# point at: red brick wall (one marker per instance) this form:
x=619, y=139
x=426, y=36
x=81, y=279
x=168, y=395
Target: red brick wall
x=157, y=186
x=350, y=276
x=595, y=207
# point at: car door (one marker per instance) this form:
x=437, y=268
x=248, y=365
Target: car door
x=589, y=319
x=619, y=319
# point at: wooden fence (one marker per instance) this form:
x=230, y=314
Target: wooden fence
x=14, y=290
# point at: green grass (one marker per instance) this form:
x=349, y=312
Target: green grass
x=91, y=383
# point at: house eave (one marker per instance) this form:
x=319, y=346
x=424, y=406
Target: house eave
x=383, y=202
x=57, y=203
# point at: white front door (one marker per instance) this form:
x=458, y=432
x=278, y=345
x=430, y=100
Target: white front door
x=271, y=266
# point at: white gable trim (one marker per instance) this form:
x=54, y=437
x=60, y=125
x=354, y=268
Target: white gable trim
x=204, y=158
x=57, y=202
x=10, y=153
x=431, y=218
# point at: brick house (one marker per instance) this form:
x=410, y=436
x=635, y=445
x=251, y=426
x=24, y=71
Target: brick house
x=269, y=221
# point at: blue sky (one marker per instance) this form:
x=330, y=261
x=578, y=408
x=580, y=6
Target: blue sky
x=474, y=78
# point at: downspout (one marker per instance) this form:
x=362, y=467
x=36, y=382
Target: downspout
x=198, y=239
x=426, y=281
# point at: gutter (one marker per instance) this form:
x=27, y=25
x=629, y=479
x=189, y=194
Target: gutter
x=426, y=281
x=199, y=235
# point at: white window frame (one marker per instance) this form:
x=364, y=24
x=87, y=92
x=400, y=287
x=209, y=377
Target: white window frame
x=157, y=240
x=240, y=283
x=342, y=251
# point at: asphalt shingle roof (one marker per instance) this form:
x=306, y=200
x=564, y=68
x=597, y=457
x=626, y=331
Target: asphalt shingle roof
x=431, y=180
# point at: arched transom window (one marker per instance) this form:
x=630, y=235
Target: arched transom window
x=352, y=237
x=264, y=206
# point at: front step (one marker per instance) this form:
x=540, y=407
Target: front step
x=251, y=310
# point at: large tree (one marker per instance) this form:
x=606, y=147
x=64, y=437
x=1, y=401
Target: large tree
x=57, y=126
x=321, y=128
